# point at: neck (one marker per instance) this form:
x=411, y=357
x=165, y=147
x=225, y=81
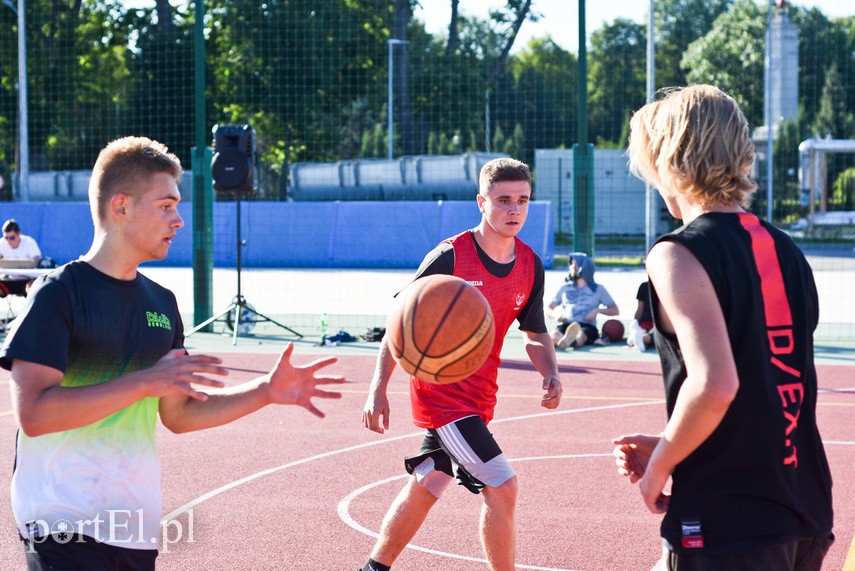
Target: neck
x=692, y=211
x=502, y=249
x=108, y=257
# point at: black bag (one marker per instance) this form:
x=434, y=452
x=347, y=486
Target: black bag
x=374, y=334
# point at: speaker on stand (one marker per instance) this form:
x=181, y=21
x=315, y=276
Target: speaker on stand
x=233, y=169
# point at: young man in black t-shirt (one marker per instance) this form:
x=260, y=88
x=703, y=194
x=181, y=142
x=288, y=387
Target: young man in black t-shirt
x=735, y=307
x=96, y=356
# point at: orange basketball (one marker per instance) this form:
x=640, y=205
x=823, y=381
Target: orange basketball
x=442, y=329
x=613, y=329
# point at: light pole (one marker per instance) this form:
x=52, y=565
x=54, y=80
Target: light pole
x=651, y=206
x=23, y=118
x=767, y=104
x=390, y=106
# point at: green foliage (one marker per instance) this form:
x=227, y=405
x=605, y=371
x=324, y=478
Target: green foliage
x=616, y=78
x=730, y=56
x=831, y=117
x=312, y=78
x=843, y=197
x=678, y=23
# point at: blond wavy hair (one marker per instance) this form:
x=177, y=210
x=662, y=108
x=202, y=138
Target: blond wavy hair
x=695, y=141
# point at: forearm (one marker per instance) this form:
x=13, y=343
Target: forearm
x=383, y=369
x=541, y=353
x=181, y=414
x=610, y=310
x=58, y=408
x=697, y=413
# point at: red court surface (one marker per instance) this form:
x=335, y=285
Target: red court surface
x=284, y=490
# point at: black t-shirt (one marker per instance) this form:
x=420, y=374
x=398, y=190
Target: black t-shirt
x=743, y=489
x=440, y=260
x=94, y=327
x=643, y=295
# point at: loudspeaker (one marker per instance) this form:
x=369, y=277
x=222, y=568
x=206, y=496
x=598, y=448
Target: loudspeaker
x=233, y=164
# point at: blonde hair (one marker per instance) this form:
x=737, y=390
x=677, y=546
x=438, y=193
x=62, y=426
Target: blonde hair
x=502, y=170
x=694, y=141
x=123, y=167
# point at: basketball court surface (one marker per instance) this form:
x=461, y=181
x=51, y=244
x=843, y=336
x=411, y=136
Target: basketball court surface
x=283, y=489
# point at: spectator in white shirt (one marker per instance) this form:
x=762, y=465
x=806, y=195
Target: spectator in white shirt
x=18, y=246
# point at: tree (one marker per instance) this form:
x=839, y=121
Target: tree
x=731, y=57
x=616, y=77
x=678, y=23
x=540, y=97
x=831, y=118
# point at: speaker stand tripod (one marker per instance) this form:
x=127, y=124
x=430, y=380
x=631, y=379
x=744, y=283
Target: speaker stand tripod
x=239, y=306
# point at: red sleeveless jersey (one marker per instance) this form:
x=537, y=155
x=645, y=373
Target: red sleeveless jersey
x=437, y=405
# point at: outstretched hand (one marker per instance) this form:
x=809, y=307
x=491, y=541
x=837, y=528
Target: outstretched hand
x=298, y=385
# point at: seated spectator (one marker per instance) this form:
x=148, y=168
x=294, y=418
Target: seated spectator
x=577, y=304
x=18, y=246
x=641, y=330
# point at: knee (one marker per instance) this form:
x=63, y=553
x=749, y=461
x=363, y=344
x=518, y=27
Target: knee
x=504, y=496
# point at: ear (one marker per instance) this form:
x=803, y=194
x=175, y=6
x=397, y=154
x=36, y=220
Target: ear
x=481, y=200
x=118, y=205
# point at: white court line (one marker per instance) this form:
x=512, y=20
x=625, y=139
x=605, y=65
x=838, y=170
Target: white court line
x=344, y=513
x=235, y=483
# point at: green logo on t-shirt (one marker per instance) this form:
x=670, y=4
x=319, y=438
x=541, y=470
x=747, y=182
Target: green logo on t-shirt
x=157, y=320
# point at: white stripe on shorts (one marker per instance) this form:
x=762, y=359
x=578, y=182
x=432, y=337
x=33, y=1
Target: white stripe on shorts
x=452, y=438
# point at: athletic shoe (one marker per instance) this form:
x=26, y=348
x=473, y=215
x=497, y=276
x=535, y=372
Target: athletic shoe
x=638, y=333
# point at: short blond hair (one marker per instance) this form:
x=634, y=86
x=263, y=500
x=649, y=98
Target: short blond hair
x=694, y=141
x=123, y=167
x=502, y=170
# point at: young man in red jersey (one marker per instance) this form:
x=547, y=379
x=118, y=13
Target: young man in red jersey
x=458, y=444
x=735, y=308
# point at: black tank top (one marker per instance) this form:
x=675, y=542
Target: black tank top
x=762, y=477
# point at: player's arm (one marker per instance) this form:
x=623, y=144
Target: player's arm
x=42, y=406
x=538, y=343
x=541, y=352
x=375, y=413
x=285, y=383
x=690, y=309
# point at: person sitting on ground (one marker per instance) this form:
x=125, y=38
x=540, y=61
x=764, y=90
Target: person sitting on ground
x=577, y=304
x=18, y=246
x=641, y=330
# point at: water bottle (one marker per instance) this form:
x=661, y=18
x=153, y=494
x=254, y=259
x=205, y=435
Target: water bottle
x=325, y=327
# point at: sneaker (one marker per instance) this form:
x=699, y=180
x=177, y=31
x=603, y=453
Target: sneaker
x=574, y=330
x=638, y=337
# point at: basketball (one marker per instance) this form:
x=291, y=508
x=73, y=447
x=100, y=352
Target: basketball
x=613, y=329
x=442, y=329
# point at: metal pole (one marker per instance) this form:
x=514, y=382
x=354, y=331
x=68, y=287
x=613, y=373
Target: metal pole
x=202, y=203
x=23, y=110
x=487, y=141
x=650, y=195
x=770, y=142
x=583, y=155
x=390, y=109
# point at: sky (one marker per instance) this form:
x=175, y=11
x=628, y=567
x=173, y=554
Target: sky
x=560, y=17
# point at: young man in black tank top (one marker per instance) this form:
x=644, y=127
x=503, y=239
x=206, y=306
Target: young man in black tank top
x=735, y=306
